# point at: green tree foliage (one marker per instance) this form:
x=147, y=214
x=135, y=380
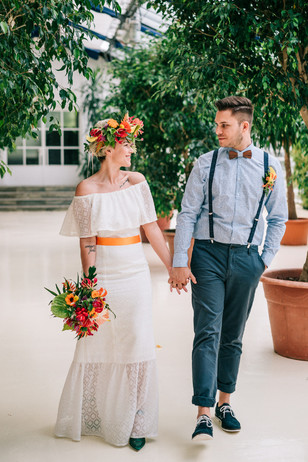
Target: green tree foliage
x=255, y=48
x=300, y=157
x=34, y=34
x=92, y=92
x=259, y=47
x=281, y=127
x=177, y=127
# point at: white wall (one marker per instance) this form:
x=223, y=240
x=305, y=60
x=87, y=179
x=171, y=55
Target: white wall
x=42, y=175
x=54, y=175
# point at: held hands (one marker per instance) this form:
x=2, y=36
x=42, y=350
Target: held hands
x=179, y=278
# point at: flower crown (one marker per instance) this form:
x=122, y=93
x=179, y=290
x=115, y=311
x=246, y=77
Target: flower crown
x=108, y=132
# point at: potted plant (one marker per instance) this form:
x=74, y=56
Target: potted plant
x=286, y=291
x=296, y=227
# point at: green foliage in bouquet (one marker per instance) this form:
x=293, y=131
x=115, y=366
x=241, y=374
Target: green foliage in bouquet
x=81, y=305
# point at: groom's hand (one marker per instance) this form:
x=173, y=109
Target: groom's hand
x=179, y=278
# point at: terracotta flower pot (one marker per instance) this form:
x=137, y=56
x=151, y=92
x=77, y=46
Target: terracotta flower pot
x=296, y=232
x=169, y=236
x=288, y=312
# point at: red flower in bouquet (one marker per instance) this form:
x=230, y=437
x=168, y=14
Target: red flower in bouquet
x=89, y=283
x=98, y=305
x=82, y=306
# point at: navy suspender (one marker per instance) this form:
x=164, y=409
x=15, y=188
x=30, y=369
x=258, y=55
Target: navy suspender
x=255, y=221
x=211, y=220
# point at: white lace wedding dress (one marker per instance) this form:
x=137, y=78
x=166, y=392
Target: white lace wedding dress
x=111, y=388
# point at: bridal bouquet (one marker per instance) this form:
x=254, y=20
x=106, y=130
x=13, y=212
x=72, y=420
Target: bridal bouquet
x=81, y=305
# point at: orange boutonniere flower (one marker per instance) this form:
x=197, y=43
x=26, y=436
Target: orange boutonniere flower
x=269, y=180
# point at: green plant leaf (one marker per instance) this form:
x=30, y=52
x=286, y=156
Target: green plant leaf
x=4, y=27
x=53, y=293
x=59, y=307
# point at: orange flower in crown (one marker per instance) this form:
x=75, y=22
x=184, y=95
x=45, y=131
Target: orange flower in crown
x=113, y=123
x=108, y=132
x=124, y=129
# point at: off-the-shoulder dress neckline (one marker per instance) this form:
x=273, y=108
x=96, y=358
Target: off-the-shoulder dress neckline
x=111, y=192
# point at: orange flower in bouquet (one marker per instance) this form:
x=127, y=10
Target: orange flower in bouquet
x=81, y=305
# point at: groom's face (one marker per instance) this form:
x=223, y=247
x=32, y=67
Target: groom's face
x=228, y=129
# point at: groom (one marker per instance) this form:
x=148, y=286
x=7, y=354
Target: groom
x=222, y=210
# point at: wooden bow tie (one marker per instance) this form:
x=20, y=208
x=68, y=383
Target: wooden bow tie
x=233, y=154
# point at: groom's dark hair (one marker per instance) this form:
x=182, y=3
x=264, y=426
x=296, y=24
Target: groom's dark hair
x=238, y=105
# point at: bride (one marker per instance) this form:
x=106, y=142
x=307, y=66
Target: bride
x=111, y=389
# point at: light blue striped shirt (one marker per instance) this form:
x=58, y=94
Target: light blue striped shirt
x=237, y=189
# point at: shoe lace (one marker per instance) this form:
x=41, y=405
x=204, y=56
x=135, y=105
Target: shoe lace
x=226, y=409
x=205, y=419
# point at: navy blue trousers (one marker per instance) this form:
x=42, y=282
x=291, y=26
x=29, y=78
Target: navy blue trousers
x=227, y=277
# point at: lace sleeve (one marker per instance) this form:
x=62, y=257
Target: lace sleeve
x=148, y=213
x=77, y=221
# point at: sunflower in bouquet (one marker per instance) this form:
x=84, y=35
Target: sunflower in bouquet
x=81, y=305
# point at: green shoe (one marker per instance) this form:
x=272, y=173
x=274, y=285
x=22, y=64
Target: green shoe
x=137, y=443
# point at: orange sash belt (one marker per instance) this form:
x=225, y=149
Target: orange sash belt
x=118, y=240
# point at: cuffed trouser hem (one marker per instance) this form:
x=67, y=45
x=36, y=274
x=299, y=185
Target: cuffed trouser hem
x=225, y=388
x=203, y=402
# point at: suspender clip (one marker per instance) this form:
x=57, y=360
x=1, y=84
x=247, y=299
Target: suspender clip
x=256, y=219
x=210, y=213
x=248, y=245
x=212, y=241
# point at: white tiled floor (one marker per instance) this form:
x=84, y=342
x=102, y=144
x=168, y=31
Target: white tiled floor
x=271, y=400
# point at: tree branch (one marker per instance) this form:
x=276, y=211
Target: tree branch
x=301, y=68
x=284, y=59
x=304, y=113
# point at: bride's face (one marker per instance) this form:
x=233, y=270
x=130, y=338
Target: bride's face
x=122, y=154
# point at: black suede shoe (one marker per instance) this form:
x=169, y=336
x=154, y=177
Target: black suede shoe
x=137, y=443
x=204, y=429
x=226, y=416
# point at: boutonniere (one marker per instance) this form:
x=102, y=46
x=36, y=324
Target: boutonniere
x=269, y=180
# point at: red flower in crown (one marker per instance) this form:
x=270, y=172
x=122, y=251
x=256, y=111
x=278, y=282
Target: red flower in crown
x=136, y=121
x=95, y=132
x=122, y=133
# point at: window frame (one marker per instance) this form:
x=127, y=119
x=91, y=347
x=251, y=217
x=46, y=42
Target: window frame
x=43, y=149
